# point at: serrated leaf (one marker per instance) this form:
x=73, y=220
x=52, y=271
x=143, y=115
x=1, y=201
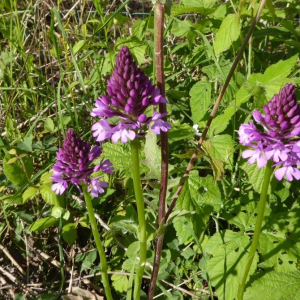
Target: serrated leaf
x=29, y=193
x=227, y=34
x=42, y=224
x=120, y=283
x=200, y=99
x=49, y=125
x=275, y=285
x=223, y=267
x=152, y=156
x=15, y=172
x=50, y=197
x=119, y=155
x=69, y=233
x=192, y=6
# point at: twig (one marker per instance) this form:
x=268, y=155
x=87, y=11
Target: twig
x=159, y=12
x=13, y=261
x=216, y=106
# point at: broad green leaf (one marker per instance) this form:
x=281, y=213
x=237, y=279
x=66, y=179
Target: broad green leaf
x=180, y=132
x=49, y=125
x=228, y=256
x=15, y=172
x=275, y=285
x=120, y=282
x=26, y=145
x=222, y=147
x=69, y=233
x=119, y=155
x=220, y=123
x=181, y=28
x=50, y=197
x=200, y=99
x=152, y=156
x=29, y=193
x=57, y=211
x=227, y=34
x=42, y=224
x=279, y=252
x=190, y=7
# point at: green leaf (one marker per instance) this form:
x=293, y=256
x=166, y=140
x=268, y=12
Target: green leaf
x=29, y=193
x=120, y=283
x=275, y=285
x=15, y=172
x=180, y=132
x=69, y=233
x=181, y=28
x=228, y=257
x=50, y=197
x=227, y=34
x=200, y=99
x=153, y=156
x=57, y=211
x=49, y=125
x=191, y=6
x=42, y=224
x=78, y=46
x=26, y=145
x=119, y=155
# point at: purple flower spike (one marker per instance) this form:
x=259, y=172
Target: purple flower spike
x=73, y=165
x=280, y=141
x=130, y=93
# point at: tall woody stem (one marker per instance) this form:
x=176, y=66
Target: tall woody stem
x=159, y=13
x=99, y=245
x=141, y=216
x=260, y=216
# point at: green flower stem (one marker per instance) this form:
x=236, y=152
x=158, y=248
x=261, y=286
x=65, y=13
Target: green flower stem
x=141, y=215
x=260, y=216
x=99, y=245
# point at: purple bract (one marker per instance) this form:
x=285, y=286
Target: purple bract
x=73, y=165
x=279, y=141
x=130, y=93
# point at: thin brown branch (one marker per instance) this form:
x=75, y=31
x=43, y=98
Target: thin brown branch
x=159, y=63
x=216, y=106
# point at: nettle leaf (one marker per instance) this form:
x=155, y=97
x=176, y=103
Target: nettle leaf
x=228, y=257
x=153, y=156
x=120, y=283
x=227, y=34
x=200, y=99
x=49, y=196
x=278, y=251
x=255, y=176
x=42, y=224
x=220, y=123
x=191, y=6
x=13, y=169
x=119, y=155
x=275, y=285
x=200, y=196
x=30, y=192
x=181, y=28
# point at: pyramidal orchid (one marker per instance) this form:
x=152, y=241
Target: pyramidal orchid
x=278, y=142
x=130, y=93
x=73, y=166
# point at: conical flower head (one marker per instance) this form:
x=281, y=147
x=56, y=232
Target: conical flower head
x=73, y=163
x=280, y=141
x=129, y=88
x=282, y=119
x=130, y=93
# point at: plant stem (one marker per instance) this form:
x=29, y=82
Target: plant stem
x=159, y=13
x=216, y=106
x=141, y=215
x=260, y=216
x=99, y=245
